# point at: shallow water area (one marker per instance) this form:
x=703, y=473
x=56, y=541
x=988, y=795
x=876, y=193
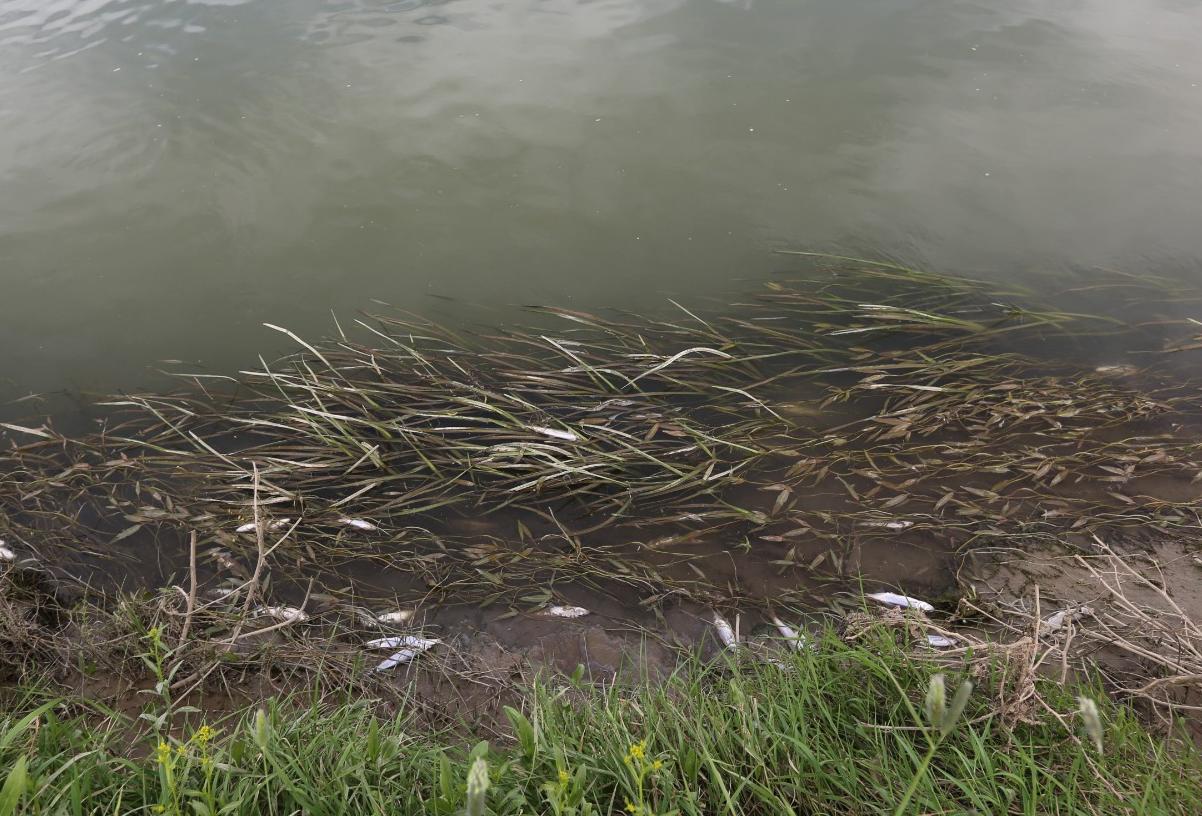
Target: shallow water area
x=175, y=174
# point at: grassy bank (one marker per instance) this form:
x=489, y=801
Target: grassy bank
x=843, y=729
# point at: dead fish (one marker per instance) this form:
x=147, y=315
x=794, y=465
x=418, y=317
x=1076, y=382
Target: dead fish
x=795, y=639
x=563, y=612
x=288, y=614
x=400, y=616
x=726, y=634
x=226, y=562
x=1118, y=370
x=888, y=525
x=1057, y=619
x=904, y=601
x=6, y=554
x=939, y=641
x=410, y=646
x=249, y=527
x=555, y=433
x=402, y=642
x=358, y=524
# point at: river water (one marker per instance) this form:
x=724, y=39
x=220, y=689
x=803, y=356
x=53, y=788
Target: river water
x=174, y=174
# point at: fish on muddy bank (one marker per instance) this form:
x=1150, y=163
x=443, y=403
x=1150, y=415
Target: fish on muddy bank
x=397, y=617
x=563, y=612
x=726, y=632
x=903, y=601
x=408, y=646
x=795, y=639
x=1057, y=619
x=284, y=614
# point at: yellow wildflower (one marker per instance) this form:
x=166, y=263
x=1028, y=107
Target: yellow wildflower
x=163, y=753
x=563, y=777
x=631, y=807
x=203, y=735
x=638, y=750
x=655, y=766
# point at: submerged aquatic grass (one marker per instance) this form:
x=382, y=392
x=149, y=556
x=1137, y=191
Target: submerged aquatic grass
x=895, y=401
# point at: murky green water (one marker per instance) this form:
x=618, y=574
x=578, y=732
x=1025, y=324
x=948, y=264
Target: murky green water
x=173, y=174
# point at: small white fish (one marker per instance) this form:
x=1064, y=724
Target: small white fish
x=795, y=639
x=905, y=601
x=403, y=642
x=403, y=656
x=888, y=525
x=410, y=647
x=1057, y=619
x=249, y=527
x=939, y=641
x=726, y=634
x=289, y=614
x=400, y=616
x=555, y=433
x=358, y=524
x=6, y=553
x=563, y=612
x=1119, y=370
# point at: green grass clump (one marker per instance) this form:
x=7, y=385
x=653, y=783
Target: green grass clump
x=840, y=730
